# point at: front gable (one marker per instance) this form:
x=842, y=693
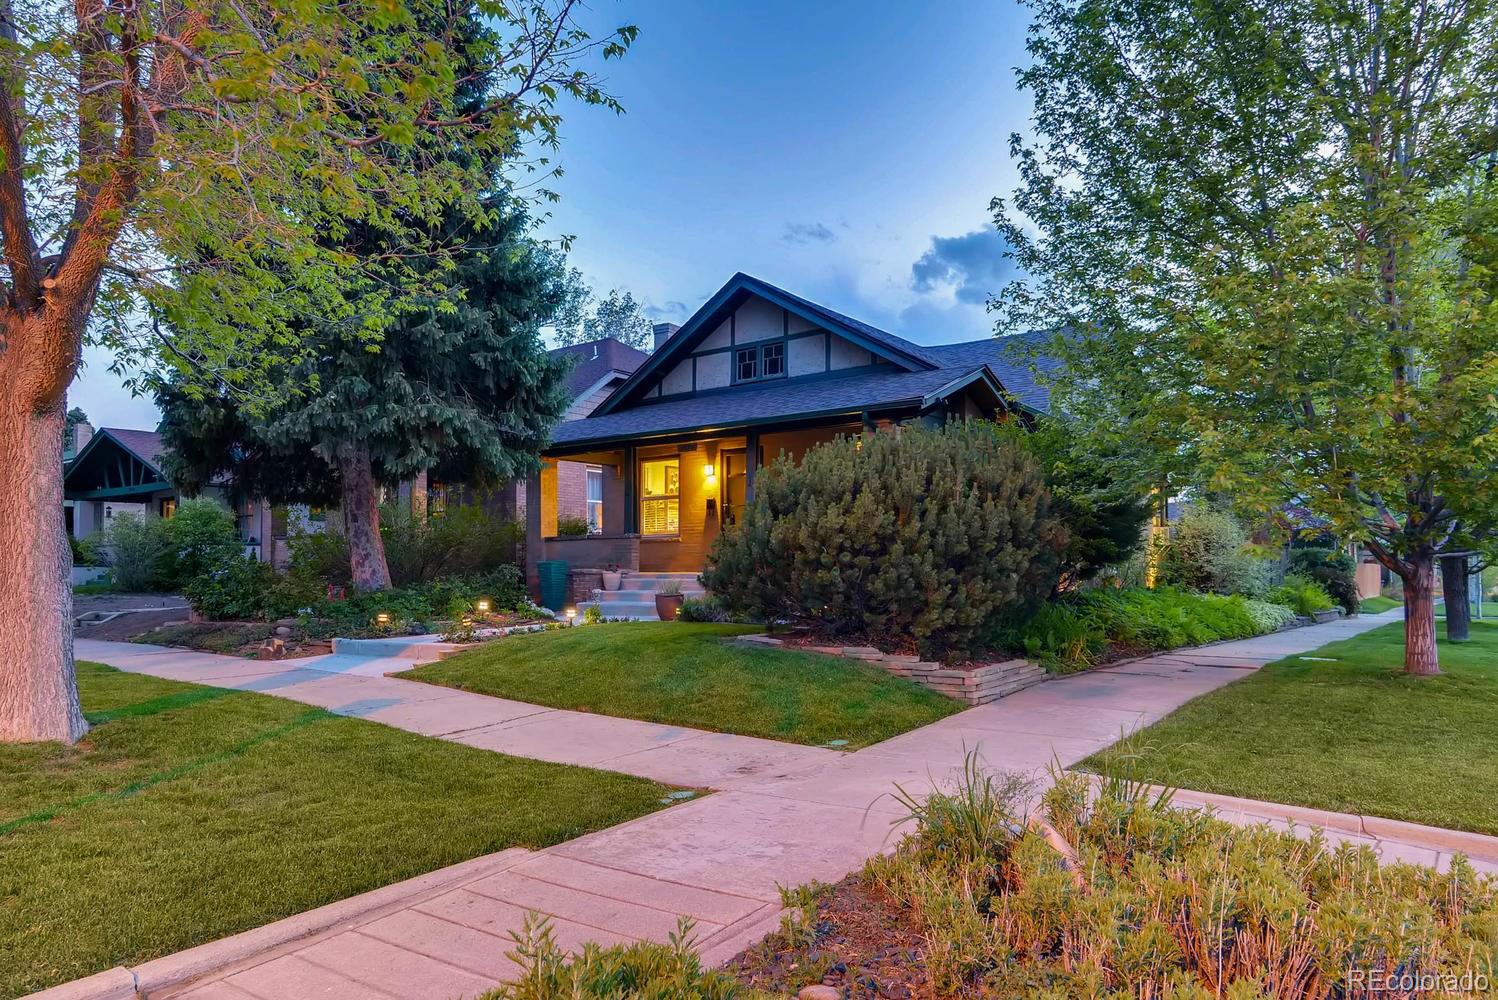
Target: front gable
x=753, y=333
x=107, y=468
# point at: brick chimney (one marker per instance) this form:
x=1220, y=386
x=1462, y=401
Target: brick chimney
x=82, y=431
x=663, y=332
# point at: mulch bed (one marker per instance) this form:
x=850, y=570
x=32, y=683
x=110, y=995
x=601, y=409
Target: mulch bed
x=864, y=947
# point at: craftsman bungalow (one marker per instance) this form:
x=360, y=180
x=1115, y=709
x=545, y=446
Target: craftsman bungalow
x=756, y=372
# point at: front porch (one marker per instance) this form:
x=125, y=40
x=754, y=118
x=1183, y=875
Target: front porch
x=662, y=504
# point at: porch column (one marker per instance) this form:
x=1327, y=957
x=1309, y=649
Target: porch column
x=751, y=464
x=631, y=493
x=533, y=544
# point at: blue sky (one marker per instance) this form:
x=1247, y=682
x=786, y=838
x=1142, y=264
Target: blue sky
x=846, y=151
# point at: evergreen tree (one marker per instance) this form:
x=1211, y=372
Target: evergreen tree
x=461, y=384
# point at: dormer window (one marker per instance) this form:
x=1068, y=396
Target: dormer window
x=762, y=361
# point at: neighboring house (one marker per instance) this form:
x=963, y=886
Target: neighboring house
x=116, y=470
x=756, y=372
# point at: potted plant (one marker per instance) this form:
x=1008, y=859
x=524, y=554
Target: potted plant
x=668, y=601
x=613, y=577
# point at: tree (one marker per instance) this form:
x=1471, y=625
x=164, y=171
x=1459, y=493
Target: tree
x=584, y=318
x=461, y=385
x=1268, y=230
x=234, y=138
x=1101, y=501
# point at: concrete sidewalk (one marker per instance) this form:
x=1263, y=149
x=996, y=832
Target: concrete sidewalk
x=356, y=686
x=784, y=815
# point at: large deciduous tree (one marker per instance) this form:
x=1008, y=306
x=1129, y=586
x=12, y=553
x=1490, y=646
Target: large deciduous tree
x=461, y=384
x=1268, y=228
x=237, y=137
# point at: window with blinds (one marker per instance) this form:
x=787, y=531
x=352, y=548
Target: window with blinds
x=660, y=497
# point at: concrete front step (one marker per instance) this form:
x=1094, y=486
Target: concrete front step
x=643, y=611
x=645, y=595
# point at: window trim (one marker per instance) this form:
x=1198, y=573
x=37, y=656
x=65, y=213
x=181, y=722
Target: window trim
x=592, y=474
x=758, y=348
x=666, y=498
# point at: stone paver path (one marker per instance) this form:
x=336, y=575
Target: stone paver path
x=782, y=815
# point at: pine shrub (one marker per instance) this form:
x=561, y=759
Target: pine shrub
x=921, y=535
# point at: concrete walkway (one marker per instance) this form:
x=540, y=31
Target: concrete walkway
x=356, y=686
x=783, y=815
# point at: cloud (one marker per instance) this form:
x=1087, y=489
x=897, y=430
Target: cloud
x=973, y=265
x=672, y=310
x=807, y=232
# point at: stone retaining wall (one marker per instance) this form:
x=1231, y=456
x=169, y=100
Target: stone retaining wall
x=978, y=686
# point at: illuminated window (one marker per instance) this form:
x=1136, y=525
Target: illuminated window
x=595, y=501
x=660, y=497
x=168, y=508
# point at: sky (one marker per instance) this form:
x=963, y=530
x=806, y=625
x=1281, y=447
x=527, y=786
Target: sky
x=845, y=151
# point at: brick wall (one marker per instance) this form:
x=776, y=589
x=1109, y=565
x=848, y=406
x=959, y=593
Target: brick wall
x=572, y=489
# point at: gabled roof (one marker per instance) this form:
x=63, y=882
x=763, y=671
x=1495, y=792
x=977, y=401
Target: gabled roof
x=116, y=461
x=144, y=445
x=903, y=354
x=596, y=359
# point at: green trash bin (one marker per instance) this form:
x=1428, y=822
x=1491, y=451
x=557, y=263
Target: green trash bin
x=553, y=574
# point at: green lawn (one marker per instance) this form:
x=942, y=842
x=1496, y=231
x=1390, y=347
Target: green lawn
x=1378, y=605
x=189, y=813
x=1354, y=735
x=690, y=675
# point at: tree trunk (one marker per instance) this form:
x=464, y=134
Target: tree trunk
x=1420, y=656
x=38, y=691
x=1454, y=586
x=361, y=511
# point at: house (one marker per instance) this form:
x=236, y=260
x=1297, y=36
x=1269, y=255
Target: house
x=117, y=470
x=754, y=373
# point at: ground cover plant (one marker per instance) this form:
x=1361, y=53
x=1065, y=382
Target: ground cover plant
x=1302, y=594
x=692, y=675
x=1125, y=893
x=1089, y=626
x=1342, y=728
x=921, y=537
x=191, y=812
x=235, y=638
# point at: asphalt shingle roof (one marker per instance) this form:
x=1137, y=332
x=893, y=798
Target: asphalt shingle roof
x=145, y=445
x=598, y=358
x=802, y=397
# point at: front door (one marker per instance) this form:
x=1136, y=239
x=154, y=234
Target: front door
x=735, y=482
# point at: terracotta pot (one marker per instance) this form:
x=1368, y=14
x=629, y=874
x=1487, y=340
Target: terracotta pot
x=612, y=581
x=668, y=606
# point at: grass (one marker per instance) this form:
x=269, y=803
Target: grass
x=1489, y=609
x=189, y=813
x=1378, y=604
x=687, y=675
x=1352, y=735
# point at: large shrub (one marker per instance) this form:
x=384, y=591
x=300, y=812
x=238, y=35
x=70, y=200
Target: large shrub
x=136, y=547
x=1209, y=551
x=1302, y=595
x=463, y=541
x=920, y=535
x=201, y=537
x=1334, y=570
